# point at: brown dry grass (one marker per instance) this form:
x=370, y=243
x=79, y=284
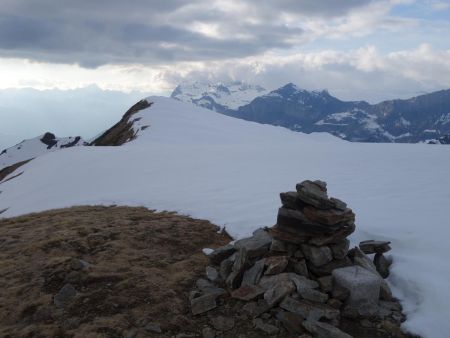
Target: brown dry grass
x=142, y=266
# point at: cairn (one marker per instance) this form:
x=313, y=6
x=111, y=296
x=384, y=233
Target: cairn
x=299, y=277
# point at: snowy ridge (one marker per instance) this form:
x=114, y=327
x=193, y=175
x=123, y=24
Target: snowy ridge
x=228, y=95
x=37, y=146
x=231, y=171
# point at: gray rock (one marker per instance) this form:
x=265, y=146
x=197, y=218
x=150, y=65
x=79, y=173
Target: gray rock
x=295, y=221
x=338, y=204
x=364, y=286
x=340, y=249
x=313, y=295
x=64, y=295
x=268, y=282
x=235, y=277
x=325, y=283
x=299, y=254
x=326, y=269
x=222, y=323
x=153, y=327
x=276, y=264
x=301, y=268
x=212, y=274
x=206, y=287
x=257, y=245
x=340, y=293
x=253, y=275
x=317, y=255
x=337, y=236
x=382, y=265
x=371, y=246
x=226, y=266
x=301, y=282
x=330, y=217
x=218, y=255
x=275, y=294
x=207, y=332
x=304, y=309
x=324, y=330
x=267, y=328
x=290, y=200
x=247, y=292
x=78, y=264
x=278, y=246
x=203, y=304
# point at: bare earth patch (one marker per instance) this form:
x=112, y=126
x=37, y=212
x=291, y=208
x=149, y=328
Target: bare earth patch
x=141, y=266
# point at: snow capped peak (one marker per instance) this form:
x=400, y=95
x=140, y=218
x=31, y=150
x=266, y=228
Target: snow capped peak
x=37, y=146
x=217, y=96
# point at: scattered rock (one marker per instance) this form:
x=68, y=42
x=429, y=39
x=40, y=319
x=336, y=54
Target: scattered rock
x=267, y=328
x=222, y=323
x=371, y=246
x=64, y=295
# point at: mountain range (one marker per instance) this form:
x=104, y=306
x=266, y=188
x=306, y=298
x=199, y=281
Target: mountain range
x=424, y=118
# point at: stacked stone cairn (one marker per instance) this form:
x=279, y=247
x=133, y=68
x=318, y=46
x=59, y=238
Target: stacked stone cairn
x=299, y=278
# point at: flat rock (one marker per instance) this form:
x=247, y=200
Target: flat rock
x=316, y=255
x=278, y=246
x=313, y=295
x=247, y=292
x=253, y=275
x=364, y=286
x=343, y=232
x=219, y=254
x=212, y=274
x=275, y=294
x=296, y=221
x=222, y=323
x=301, y=268
x=326, y=269
x=314, y=193
x=305, y=308
x=371, y=246
x=226, y=266
x=324, y=330
x=330, y=216
x=203, y=304
x=276, y=264
x=265, y=327
x=325, y=283
x=268, y=282
x=290, y=200
x=256, y=245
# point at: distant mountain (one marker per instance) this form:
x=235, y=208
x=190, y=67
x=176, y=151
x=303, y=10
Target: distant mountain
x=29, y=149
x=220, y=97
x=425, y=118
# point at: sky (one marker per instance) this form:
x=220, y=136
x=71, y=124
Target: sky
x=357, y=49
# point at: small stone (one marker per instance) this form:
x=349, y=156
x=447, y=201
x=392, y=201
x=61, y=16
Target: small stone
x=206, y=287
x=153, y=327
x=278, y=246
x=253, y=275
x=212, y=274
x=324, y=330
x=78, y=264
x=334, y=303
x=304, y=309
x=218, y=255
x=226, y=266
x=222, y=323
x=301, y=268
x=313, y=295
x=267, y=328
x=327, y=269
x=276, y=264
x=207, y=332
x=64, y=295
x=340, y=249
x=382, y=265
x=247, y=292
x=371, y=246
x=257, y=245
x=203, y=304
x=326, y=283
x=302, y=282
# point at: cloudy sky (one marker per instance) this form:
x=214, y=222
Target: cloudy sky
x=357, y=49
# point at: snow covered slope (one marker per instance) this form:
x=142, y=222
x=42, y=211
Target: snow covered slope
x=231, y=171
x=37, y=146
x=218, y=97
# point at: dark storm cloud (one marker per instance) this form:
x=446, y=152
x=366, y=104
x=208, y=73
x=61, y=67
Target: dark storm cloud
x=92, y=33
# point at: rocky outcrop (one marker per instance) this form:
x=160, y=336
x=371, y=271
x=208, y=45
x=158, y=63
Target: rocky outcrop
x=299, y=277
x=122, y=131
